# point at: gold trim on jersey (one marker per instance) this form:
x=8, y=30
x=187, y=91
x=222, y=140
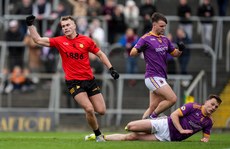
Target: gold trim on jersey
x=173, y=51
x=151, y=33
x=180, y=111
x=206, y=135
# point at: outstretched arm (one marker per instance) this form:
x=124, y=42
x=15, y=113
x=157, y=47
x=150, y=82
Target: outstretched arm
x=43, y=41
x=176, y=122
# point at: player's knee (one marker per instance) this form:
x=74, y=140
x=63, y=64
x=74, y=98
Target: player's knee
x=101, y=111
x=130, y=137
x=89, y=110
x=174, y=99
x=130, y=126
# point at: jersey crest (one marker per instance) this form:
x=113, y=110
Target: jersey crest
x=81, y=45
x=183, y=108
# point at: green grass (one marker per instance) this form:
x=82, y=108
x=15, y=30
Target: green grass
x=74, y=140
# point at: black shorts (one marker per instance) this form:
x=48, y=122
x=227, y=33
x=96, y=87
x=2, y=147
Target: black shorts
x=77, y=86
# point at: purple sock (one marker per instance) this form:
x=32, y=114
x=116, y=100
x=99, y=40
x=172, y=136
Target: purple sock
x=153, y=115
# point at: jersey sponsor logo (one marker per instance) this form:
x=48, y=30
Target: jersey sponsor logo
x=162, y=49
x=66, y=43
x=152, y=39
x=193, y=124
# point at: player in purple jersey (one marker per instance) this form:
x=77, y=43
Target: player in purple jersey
x=181, y=124
x=155, y=47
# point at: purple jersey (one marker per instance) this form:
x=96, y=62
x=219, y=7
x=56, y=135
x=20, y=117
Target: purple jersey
x=193, y=119
x=156, y=54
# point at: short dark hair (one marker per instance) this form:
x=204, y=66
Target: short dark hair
x=158, y=16
x=64, y=18
x=216, y=97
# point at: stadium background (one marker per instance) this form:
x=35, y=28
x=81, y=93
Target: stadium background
x=48, y=108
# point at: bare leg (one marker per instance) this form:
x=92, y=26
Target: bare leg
x=116, y=137
x=169, y=97
x=84, y=102
x=131, y=137
x=140, y=126
x=154, y=100
x=160, y=100
x=98, y=103
x=141, y=130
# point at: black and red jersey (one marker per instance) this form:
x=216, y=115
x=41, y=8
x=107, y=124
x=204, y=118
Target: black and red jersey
x=75, y=56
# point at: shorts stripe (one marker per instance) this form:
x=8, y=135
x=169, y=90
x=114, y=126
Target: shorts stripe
x=154, y=82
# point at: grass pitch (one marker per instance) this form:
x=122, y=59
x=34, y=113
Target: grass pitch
x=74, y=140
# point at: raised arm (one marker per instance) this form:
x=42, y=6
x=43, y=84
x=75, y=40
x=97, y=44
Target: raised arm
x=43, y=41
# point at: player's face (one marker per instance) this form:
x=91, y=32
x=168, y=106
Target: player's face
x=159, y=27
x=68, y=27
x=211, y=106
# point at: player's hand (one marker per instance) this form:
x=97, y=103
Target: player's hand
x=181, y=46
x=142, y=48
x=114, y=73
x=204, y=139
x=30, y=20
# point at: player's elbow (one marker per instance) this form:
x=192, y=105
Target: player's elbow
x=133, y=52
x=36, y=40
x=41, y=41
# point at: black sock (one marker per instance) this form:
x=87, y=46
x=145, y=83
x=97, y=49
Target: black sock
x=97, y=132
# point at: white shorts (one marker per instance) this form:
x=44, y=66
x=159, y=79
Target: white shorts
x=160, y=128
x=154, y=83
